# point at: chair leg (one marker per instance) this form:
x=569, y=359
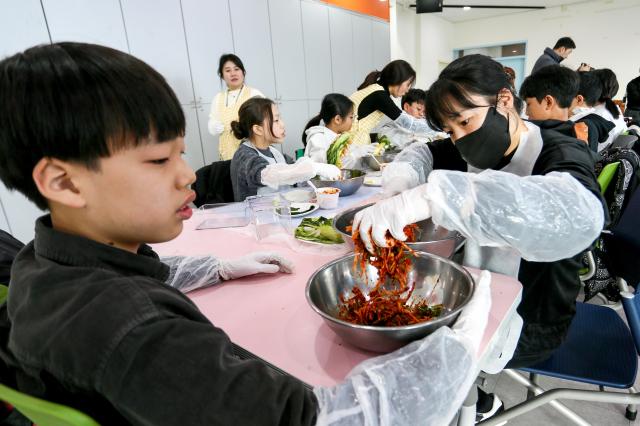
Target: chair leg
x=631, y=411
x=533, y=378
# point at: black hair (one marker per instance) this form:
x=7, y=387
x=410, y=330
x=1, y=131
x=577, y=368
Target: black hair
x=78, y=102
x=559, y=82
x=413, y=95
x=633, y=93
x=233, y=58
x=470, y=75
x=253, y=111
x=511, y=76
x=565, y=42
x=590, y=87
x=609, y=89
x=332, y=104
x=394, y=73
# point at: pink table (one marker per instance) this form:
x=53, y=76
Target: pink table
x=269, y=316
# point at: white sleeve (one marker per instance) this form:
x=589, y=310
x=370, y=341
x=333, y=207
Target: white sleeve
x=546, y=218
x=215, y=122
x=415, y=125
x=317, y=145
x=256, y=93
x=188, y=273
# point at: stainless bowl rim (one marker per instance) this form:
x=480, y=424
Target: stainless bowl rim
x=454, y=312
x=454, y=235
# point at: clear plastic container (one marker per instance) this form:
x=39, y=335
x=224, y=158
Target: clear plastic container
x=223, y=215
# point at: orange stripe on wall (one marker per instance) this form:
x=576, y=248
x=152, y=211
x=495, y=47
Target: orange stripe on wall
x=377, y=8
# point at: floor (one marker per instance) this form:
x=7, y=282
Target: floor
x=597, y=414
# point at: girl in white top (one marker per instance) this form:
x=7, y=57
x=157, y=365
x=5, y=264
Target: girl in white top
x=606, y=108
x=257, y=167
x=225, y=105
x=335, y=117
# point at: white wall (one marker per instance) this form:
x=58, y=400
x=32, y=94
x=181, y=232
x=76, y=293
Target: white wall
x=606, y=32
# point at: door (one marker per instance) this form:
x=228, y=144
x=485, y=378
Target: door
x=517, y=63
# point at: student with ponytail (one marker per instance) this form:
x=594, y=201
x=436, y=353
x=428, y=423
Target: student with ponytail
x=335, y=117
x=375, y=107
x=257, y=167
x=606, y=108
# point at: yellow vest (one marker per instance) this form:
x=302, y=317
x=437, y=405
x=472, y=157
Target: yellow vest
x=360, y=129
x=228, y=143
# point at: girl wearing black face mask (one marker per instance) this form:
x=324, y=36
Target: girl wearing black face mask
x=526, y=197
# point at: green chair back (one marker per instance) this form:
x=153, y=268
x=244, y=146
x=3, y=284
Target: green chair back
x=4, y=291
x=44, y=413
x=606, y=175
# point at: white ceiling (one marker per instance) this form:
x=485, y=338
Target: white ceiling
x=460, y=15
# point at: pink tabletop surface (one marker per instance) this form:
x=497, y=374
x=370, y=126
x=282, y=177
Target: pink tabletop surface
x=269, y=316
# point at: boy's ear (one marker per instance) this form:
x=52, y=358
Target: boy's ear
x=579, y=99
x=548, y=102
x=55, y=181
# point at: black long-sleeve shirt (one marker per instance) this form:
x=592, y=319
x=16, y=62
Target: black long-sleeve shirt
x=380, y=100
x=96, y=328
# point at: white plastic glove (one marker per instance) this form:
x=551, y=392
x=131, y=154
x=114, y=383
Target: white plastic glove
x=215, y=127
x=398, y=176
x=353, y=158
x=275, y=175
x=472, y=321
x=254, y=263
x=392, y=215
x=326, y=171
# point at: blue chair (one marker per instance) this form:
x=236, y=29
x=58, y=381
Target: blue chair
x=600, y=350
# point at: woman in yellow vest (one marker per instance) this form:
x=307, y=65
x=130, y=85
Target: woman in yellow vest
x=225, y=105
x=373, y=101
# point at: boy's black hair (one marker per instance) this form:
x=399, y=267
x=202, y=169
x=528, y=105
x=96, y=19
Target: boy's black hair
x=590, y=87
x=78, y=102
x=633, y=93
x=467, y=76
x=565, y=42
x=559, y=82
x=233, y=58
x=413, y=95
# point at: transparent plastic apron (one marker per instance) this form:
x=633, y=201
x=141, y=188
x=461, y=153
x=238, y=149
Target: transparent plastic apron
x=278, y=158
x=505, y=260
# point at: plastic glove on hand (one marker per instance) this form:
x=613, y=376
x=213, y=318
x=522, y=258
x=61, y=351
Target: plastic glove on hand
x=218, y=127
x=326, y=171
x=255, y=263
x=473, y=319
x=392, y=215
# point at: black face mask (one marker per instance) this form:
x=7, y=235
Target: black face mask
x=485, y=147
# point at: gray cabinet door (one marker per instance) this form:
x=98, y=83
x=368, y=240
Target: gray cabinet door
x=317, y=49
x=98, y=22
x=156, y=35
x=341, y=37
x=209, y=142
x=4, y=224
x=208, y=27
x=288, y=49
x=252, y=40
x=295, y=115
x=362, y=48
x=22, y=25
x=381, y=44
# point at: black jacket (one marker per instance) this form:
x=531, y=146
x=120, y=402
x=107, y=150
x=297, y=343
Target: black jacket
x=550, y=289
x=599, y=129
x=97, y=328
x=549, y=57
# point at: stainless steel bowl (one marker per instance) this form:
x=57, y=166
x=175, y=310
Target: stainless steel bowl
x=387, y=157
x=431, y=238
x=337, y=278
x=350, y=181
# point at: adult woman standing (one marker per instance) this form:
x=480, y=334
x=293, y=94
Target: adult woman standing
x=373, y=101
x=225, y=105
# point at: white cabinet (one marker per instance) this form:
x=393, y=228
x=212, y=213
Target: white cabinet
x=22, y=25
x=341, y=37
x=317, y=49
x=252, y=40
x=208, y=32
x=209, y=142
x=98, y=22
x=156, y=35
x=362, y=48
x=194, y=156
x=381, y=44
x=4, y=224
x=295, y=115
x=288, y=49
